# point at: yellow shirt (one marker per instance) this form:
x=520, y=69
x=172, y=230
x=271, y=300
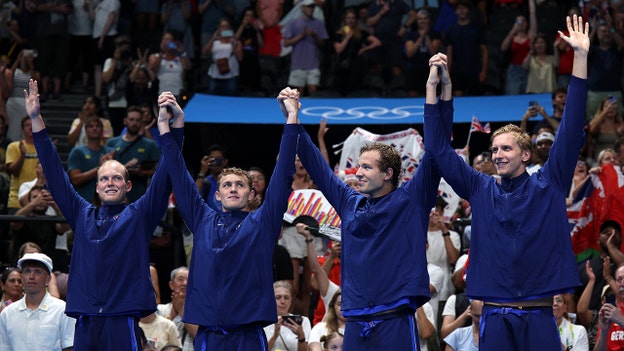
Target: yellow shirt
x=27, y=172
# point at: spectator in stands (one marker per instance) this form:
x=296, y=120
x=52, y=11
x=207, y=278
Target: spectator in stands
x=77, y=135
x=332, y=342
x=11, y=285
x=443, y=247
x=41, y=233
x=211, y=166
x=23, y=70
x=175, y=16
x=586, y=316
x=116, y=74
x=605, y=67
x=505, y=288
x=146, y=15
x=558, y=98
x=607, y=126
x=226, y=52
x=22, y=326
x=174, y=310
x=52, y=44
x=467, y=53
x=139, y=155
x=518, y=43
x=610, y=317
x=144, y=86
x=467, y=338
x=212, y=11
x=232, y=235
x=105, y=16
x=333, y=322
x=4, y=144
x=21, y=160
x=258, y=182
x=249, y=34
x=541, y=150
x=170, y=65
x=287, y=333
x=385, y=19
x=161, y=330
x=53, y=288
x=116, y=224
x=541, y=66
x=307, y=36
x=619, y=151
x=352, y=46
x=420, y=45
x=581, y=175
x=80, y=43
x=84, y=161
x=573, y=337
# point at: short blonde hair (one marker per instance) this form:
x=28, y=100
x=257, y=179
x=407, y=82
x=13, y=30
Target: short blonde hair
x=520, y=137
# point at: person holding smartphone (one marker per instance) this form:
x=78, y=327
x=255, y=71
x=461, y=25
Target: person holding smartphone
x=211, y=166
x=611, y=318
x=291, y=332
x=226, y=52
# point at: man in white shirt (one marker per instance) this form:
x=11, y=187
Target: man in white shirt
x=37, y=321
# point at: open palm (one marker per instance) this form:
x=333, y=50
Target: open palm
x=578, y=37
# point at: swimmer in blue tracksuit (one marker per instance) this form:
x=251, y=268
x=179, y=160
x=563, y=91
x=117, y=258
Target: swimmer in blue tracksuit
x=520, y=252
x=230, y=287
x=109, y=287
x=384, y=232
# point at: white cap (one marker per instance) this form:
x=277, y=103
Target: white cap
x=307, y=2
x=545, y=136
x=39, y=257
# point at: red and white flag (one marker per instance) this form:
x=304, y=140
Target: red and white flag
x=477, y=127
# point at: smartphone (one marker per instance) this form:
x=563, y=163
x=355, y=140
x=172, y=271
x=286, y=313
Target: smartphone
x=612, y=99
x=610, y=298
x=346, y=29
x=227, y=33
x=533, y=103
x=218, y=161
x=293, y=317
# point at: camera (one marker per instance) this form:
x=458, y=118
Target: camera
x=293, y=317
x=218, y=161
x=612, y=99
x=227, y=33
x=533, y=103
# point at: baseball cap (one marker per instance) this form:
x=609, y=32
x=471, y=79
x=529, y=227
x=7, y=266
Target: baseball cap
x=308, y=3
x=545, y=136
x=39, y=257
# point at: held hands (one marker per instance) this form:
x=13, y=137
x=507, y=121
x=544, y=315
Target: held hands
x=438, y=70
x=288, y=100
x=168, y=108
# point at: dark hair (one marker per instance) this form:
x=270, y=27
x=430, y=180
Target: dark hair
x=134, y=108
x=611, y=223
x=24, y=119
x=388, y=158
x=96, y=101
x=170, y=348
x=618, y=145
x=216, y=147
x=560, y=90
x=7, y=271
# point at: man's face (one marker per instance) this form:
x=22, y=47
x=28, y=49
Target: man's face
x=133, y=122
x=94, y=130
x=35, y=277
x=371, y=178
x=233, y=192
x=619, y=282
x=605, y=234
x=178, y=284
x=543, y=148
x=507, y=156
x=559, y=101
x=43, y=206
x=111, y=186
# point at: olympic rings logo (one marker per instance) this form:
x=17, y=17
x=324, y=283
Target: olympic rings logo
x=372, y=112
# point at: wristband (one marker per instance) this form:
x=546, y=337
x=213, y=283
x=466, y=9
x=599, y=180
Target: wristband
x=199, y=175
x=309, y=240
x=446, y=234
x=301, y=339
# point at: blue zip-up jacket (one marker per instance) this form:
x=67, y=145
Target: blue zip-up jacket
x=109, y=272
x=383, y=262
x=231, y=275
x=520, y=247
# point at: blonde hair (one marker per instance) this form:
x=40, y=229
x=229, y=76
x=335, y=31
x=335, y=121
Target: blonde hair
x=520, y=137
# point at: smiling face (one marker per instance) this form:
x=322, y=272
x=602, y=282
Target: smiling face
x=234, y=192
x=559, y=306
x=372, y=180
x=509, y=159
x=13, y=285
x=112, y=183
